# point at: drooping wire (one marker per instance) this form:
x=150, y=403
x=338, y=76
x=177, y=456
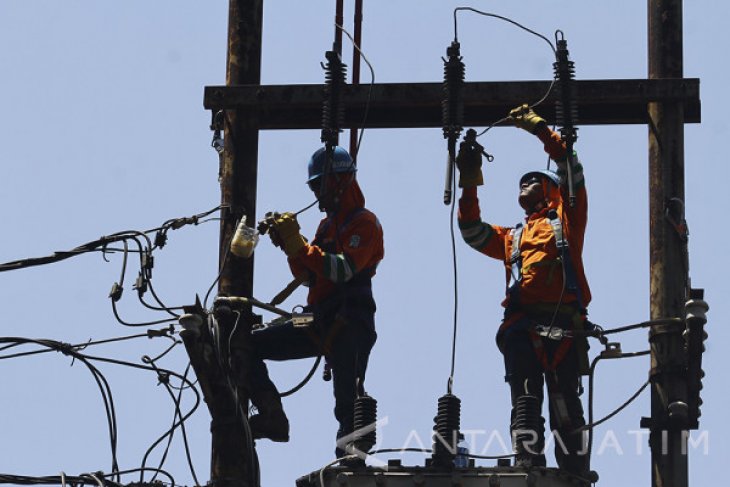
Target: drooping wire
x=80, y=346
x=500, y=17
x=526, y=29
x=220, y=271
x=591, y=377
x=115, y=311
x=233, y=389
x=456, y=289
x=304, y=381
x=105, y=388
x=370, y=91
x=100, y=244
x=100, y=380
x=175, y=424
x=158, y=371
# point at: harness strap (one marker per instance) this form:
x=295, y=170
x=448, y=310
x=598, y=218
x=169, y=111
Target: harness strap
x=515, y=259
x=348, y=219
x=542, y=356
x=571, y=279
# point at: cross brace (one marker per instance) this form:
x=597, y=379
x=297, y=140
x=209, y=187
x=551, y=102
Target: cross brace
x=418, y=105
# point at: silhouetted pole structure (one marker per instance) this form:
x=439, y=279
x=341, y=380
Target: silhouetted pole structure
x=230, y=465
x=668, y=270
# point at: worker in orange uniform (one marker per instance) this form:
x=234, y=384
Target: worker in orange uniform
x=546, y=294
x=338, y=266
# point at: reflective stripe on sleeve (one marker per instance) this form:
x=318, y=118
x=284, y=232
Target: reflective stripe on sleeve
x=337, y=268
x=476, y=234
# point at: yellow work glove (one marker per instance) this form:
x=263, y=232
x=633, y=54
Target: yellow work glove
x=286, y=234
x=469, y=162
x=524, y=118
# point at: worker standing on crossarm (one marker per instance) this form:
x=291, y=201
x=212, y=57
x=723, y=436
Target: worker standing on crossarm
x=546, y=293
x=338, y=266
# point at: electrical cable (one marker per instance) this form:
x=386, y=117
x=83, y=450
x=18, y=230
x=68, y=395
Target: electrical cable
x=147, y=323
x=220, y=272
x=366, y=112
x=370, y=90
x=304, y=381
x=156, y=470
x=517, y=24
x=99, y=378
x=175, y=343
x=158, y=371
x=456, y=289
x=77, y=347
x=591, y=377
x=644, y=324
x=334, y=462
x=162, y=307
x=233, y=389
x=500, y=17
x=94, y=245
x=170, y=433
x=96, y=478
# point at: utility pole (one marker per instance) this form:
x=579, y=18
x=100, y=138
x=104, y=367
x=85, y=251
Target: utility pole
x=219, y=370
x=238, y=177
x=671, y=101
x=669, y=286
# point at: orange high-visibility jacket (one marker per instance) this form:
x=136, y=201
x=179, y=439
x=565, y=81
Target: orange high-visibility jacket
x=347, y=247
x=542, y=278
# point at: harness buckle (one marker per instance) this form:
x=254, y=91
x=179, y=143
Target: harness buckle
x=552, y=333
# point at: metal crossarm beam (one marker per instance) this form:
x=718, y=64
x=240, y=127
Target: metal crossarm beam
x=418, y=105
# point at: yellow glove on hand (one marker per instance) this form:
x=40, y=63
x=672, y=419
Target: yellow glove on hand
x=287, y=231
x=469, y=162
x=524, y=118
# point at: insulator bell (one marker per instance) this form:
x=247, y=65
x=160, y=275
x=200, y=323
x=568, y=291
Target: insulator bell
x=527, y=427
x=333, y=112
x=446, y=430
x=366, y=414
x=566, y=110
x=452, y=106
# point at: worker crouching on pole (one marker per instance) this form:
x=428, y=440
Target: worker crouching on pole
x=338, y=266
x=546, y=293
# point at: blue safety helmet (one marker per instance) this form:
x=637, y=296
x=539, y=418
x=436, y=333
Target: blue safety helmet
x=551, y=176
x=341, y=163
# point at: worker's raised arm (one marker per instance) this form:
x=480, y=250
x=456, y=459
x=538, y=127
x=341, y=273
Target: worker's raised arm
x=481, y=236
x=525, y=118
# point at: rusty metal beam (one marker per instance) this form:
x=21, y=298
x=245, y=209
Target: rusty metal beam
x=418, y=105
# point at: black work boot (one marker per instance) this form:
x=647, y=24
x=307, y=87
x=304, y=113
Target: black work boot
x=271, y=421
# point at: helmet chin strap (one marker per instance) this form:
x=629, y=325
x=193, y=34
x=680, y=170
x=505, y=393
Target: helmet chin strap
x=537, y=207
x=340, y=187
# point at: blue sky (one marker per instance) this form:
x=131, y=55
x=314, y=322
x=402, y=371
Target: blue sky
x=102, y=129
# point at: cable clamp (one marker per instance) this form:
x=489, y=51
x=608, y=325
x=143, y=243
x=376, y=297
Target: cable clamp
x=612, y=350
x=162, y=332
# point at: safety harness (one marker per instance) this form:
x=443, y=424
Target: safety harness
x=570, y=281
x=361, y=278
x=515, y=275
x=358, y=285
